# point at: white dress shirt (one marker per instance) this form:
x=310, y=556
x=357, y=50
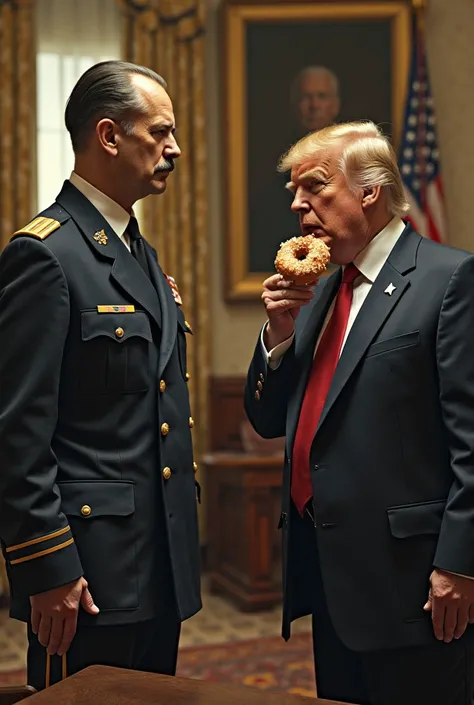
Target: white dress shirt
x=369, y=262
x=116, y=216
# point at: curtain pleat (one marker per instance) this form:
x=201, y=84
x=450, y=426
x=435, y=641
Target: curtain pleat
x=17, y=115
x=167, y=36
x=17, y=123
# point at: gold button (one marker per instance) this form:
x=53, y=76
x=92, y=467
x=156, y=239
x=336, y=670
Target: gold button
x=187, y=326
x=257, y=395
x=86, y=510
x=162, y=385
x=166, y=473
x=191, y=422
x=119, y=332
x=195, y=467
x=188, y=376
x=165, y=429
x=260, y=386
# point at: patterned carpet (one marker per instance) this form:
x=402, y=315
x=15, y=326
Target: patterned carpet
x=269, y=664
x=220, y=643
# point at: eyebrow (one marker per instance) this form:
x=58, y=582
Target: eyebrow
x=310, y=175
x=161, y=125
x=315, y=173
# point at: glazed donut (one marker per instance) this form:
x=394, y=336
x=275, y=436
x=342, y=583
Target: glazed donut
x=302, y=259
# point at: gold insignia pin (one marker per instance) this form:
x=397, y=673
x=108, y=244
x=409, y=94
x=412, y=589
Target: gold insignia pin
x=100, y=237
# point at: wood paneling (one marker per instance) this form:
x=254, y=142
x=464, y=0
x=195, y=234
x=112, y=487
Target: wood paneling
x=242, y=503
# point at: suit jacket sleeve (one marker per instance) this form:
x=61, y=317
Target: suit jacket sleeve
x=267, y=393
x=34, y=320
x=455, y=358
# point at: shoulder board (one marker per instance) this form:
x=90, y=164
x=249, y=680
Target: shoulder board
x=40, y=227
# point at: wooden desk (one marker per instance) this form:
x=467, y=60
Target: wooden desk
x=102, y=685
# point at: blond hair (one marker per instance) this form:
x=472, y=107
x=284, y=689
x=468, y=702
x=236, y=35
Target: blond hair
x=367, y=159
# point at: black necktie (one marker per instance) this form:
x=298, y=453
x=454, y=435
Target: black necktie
x=137, y=246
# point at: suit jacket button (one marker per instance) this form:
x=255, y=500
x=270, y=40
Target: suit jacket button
x=166, y=473
x=119, y=332
x=165, y=429
x=188, y=376
x=86, y=510
x=162, y=386
x=191, y=422
x=195, y=467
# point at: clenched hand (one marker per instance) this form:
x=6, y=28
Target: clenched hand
x=283, y=300
x=54, y=614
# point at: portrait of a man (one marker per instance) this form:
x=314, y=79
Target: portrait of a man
x=315, y=98
x=290, y=71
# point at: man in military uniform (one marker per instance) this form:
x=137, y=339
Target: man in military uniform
x=98, y=516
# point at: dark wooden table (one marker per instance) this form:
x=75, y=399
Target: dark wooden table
x=101, y=685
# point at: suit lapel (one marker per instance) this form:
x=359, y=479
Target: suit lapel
x=374, y=312
x=169, y=316
x=305, y=348
x=107, y=245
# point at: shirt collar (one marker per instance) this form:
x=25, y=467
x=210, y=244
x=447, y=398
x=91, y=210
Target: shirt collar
x=116, y=216
x=370, y=261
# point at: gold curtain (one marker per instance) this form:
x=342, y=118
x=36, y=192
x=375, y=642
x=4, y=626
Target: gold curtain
x=17, y=126
x=167, y=36
x=17, y=114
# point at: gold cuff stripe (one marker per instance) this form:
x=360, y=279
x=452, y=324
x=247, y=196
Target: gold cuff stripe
x=42, y=553
x=54, y=535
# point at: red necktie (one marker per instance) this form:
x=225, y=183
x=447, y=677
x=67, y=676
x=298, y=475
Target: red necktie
x=320, y=378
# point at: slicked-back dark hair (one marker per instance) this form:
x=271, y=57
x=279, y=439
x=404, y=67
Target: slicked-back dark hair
x=105, y=91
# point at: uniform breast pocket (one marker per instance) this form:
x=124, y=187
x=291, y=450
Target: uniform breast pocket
x=184, y=329
x=114, y=357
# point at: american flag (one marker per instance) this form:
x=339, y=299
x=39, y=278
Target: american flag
x=419, y=154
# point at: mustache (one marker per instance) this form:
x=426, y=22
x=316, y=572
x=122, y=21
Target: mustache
x=165, y=165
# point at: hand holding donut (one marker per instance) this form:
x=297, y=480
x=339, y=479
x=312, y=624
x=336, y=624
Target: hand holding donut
x=282, y=300
x=300, y=261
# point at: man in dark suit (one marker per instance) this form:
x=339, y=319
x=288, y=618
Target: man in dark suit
x=98, y=517
x=375, y=394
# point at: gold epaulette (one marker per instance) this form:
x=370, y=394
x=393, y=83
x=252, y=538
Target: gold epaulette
x=39, y=227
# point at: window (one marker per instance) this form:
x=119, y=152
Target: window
x=72, y=35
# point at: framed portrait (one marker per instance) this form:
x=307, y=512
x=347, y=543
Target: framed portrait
x=291, y=68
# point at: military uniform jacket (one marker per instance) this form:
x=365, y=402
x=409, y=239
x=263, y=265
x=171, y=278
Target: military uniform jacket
x=392, y=460
x=96, y=461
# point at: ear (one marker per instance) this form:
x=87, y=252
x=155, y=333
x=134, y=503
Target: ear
x=371, y=195
x=106, y=131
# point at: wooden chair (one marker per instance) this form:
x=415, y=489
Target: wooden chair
x=13, y=694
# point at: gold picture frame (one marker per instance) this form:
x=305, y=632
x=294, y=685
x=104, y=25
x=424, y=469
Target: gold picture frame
x=241, y=24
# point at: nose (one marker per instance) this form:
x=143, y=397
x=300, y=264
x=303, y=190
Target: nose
x=172, y=148
x=299, y=205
